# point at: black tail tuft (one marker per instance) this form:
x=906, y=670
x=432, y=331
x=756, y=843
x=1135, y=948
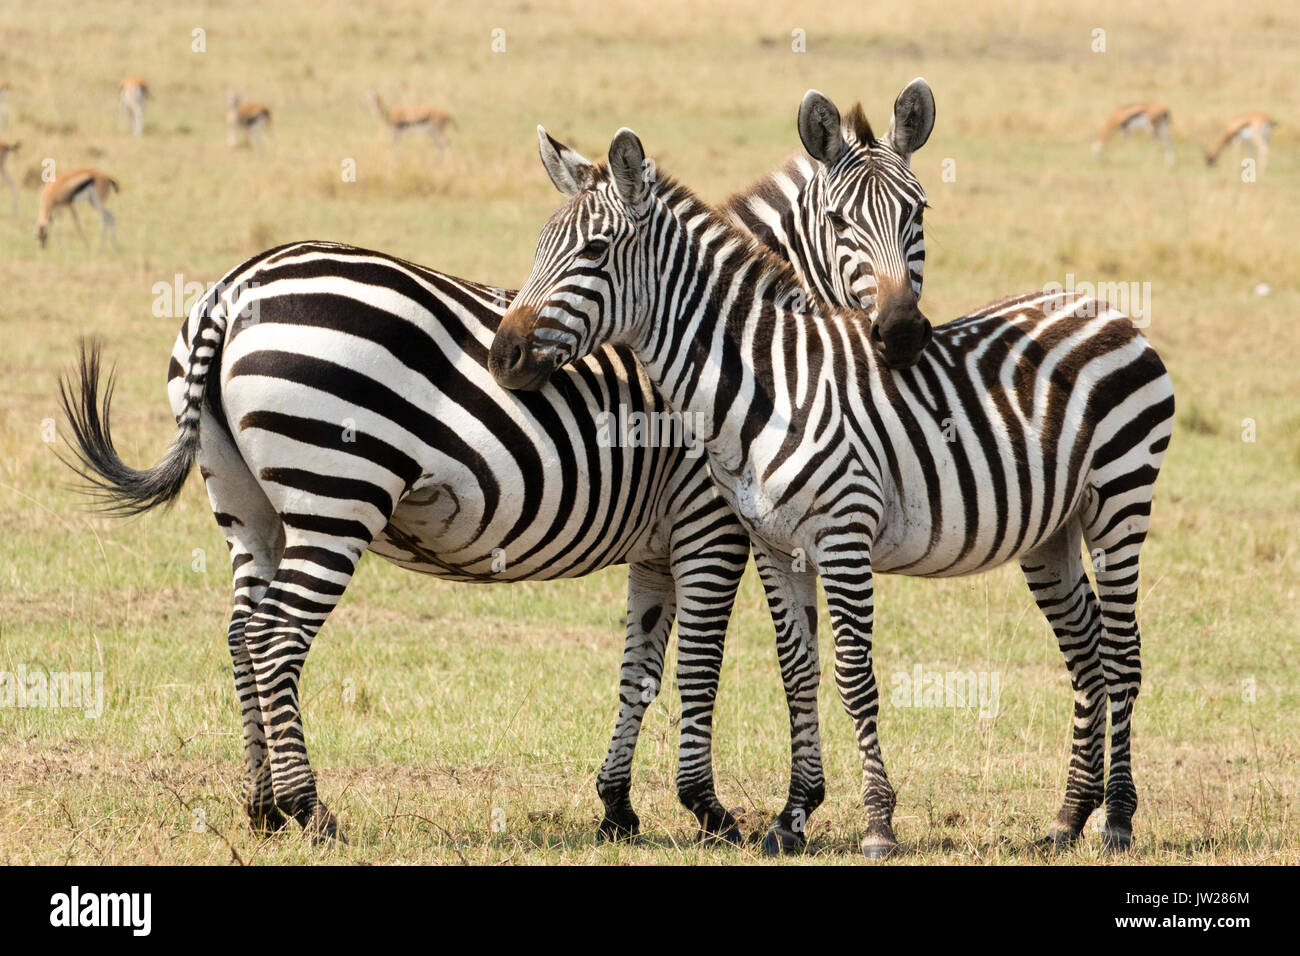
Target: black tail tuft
x=118, y=488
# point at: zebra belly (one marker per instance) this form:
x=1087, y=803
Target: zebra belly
x=428, y=531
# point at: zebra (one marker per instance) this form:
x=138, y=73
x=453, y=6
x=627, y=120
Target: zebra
x=338, y=400
x=1025, y=427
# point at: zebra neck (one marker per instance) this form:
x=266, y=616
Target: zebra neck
x=775, y=211
x=707, y=345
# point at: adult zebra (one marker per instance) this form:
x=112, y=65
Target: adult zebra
x=351, y=408
x=1024, y=427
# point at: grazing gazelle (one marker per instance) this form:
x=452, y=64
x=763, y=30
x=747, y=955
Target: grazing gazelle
x=404, y=119
x=131, y=96
x=1152, y=117
x=1247, y=128
x=79, y=185
x=247, y=120
x=5, y=150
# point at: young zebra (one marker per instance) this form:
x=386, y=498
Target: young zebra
x=351, y=408
x=1058, y=410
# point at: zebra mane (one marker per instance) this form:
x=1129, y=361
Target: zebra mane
x=767, y=187
x=774, y=274
x=856, y=122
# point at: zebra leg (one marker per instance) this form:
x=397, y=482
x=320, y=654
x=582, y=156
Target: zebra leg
x=651, y=604
x=313, y=573
x=1115, y=556
x=1054, y=572
x=792, y=601
x=707, y=568
x=849, y=594
x=255, y=538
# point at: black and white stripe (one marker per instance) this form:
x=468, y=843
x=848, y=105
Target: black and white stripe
x=1025, y=428
x=338, y=400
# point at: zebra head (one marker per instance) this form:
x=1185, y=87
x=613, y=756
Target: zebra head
x=584, y=289
x=863, y=210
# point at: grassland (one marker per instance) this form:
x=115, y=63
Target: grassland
x=434, y=709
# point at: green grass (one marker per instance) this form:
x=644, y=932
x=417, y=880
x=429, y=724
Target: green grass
x=466, y=704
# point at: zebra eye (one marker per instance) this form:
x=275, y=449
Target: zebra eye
x=836, y=219
x=595, y=249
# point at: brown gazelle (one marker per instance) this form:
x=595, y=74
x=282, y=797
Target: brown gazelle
x=131, y=96
x=1248, y=128
x=247, y=121
x=405, y=119
x=5, y=150
x=1151, y=117
x=79, y=185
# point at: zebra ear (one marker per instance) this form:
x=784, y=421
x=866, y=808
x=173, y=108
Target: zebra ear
x=628, y=165
x=819, y=127
x=568, y=170
x=913, y=118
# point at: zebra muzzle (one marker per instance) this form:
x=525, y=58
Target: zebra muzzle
x=901, y=331
x=513, y=359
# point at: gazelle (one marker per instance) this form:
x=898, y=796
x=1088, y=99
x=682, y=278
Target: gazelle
x=1248, y=128
x=1152, y=117
x=79, y=185
x=5, y=150
x=131, y=96
x=247, y=120
x=404, y=119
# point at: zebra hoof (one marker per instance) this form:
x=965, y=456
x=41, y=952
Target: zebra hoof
x=879, y=848
x=1116, y=839
x=322, y=827
x=267, y=821
x=726, y=836
x=618, y=825
x=1058, y=837
x=717, y=826
x=780, y=840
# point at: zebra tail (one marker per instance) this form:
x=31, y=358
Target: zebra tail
x=117, y=487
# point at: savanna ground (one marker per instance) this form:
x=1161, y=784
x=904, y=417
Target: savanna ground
x=454, y=723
